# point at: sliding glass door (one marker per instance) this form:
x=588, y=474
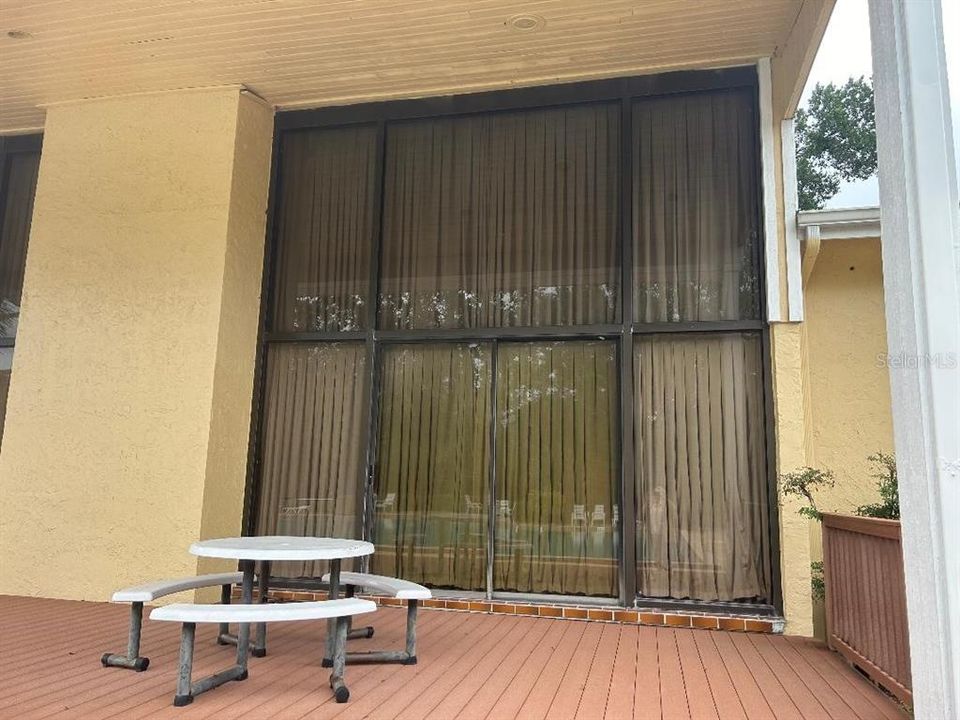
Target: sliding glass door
x=557, y=462
x=548, y=519
x=520, y=347
x=433, y=464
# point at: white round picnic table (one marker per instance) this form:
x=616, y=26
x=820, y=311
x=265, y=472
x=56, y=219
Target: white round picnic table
x=267, y=549
x=282, y=547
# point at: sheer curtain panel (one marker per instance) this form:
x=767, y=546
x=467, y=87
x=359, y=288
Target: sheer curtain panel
x=695, y=216
x=703, y=513
x=314, y=444
x=502, y=220
x=325, y=226
x=557, y=458
x=433, y=465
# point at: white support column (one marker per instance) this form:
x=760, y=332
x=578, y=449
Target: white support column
x=768, y=178
x=921, y=263
x=791, y=202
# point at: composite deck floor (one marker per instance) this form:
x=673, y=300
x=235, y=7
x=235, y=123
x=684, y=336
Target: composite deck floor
x=471, y=666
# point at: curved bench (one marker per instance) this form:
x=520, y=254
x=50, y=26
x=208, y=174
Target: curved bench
x=391, y=587
x=149, y=592
x=190, y=615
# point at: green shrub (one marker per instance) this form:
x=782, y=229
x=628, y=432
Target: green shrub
x=886, y=476
x=805, y=482
x=817, y=585
x=802, y=483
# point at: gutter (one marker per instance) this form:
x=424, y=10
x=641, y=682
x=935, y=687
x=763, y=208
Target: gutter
x=841, y=224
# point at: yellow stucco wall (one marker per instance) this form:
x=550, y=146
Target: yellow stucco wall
x=128, y=412
x=849, y=383
x=832, y=403
x=788, y=365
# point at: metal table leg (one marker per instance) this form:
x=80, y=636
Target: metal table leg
x=246, y=596
x=260, y=645
x=332, y=624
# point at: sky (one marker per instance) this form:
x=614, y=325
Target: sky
x=845, y=53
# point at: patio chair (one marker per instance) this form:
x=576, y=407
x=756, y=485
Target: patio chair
x=473, y=507
x=598, y=519
x=578, y=517
x=387, y=502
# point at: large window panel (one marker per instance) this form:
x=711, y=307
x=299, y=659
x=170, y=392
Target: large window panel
x=502, y=220
x=16, y=211
x=314, y=444
x=695, y=210
x=433, y=465
x=325, y=225
x=557, y=458
x=703, y=513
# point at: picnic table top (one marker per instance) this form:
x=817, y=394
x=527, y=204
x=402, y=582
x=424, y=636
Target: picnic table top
x=281, y=547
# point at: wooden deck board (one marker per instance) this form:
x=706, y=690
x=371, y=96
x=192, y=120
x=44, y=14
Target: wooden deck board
x=623, y=682
x=756, y=702
x=575, y=678
x=646, y=700
x=494, y=667
x=541, y=695
x=728, y=705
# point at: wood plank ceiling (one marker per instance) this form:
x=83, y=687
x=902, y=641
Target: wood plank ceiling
x=302, y=53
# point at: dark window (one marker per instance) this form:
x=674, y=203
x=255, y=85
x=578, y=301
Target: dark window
x=19, y=165
x=324, y=230
x=502, y=220
x=695, y=213
x=532, y=321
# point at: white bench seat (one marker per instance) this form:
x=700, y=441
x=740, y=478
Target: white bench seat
x=189, y=615
x=392, y=587
x=279, y=612
x=148, y=592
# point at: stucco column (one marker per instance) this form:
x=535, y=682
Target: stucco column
x=791, y=412
x=129, y=408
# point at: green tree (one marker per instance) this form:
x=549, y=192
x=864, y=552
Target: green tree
x=836, y=140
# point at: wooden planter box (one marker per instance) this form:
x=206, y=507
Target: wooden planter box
x=866, y=603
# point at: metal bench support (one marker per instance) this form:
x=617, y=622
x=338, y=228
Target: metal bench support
x=132, y=660
x=187, y=690
x=407, y=656
x=340, y=691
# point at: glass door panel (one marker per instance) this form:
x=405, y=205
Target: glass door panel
x=557, y=457
x=433, y=465
x=703, y=513
x=314, y=444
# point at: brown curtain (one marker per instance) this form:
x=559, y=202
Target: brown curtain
x=702, y=497
x=314, y=443
x=433, y=465
x=325, y=225
x=695, y=208
x=502, y=219
x=556, y=512
x=17, y=211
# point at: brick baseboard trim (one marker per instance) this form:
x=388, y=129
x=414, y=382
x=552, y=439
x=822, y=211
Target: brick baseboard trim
x=707, y=621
